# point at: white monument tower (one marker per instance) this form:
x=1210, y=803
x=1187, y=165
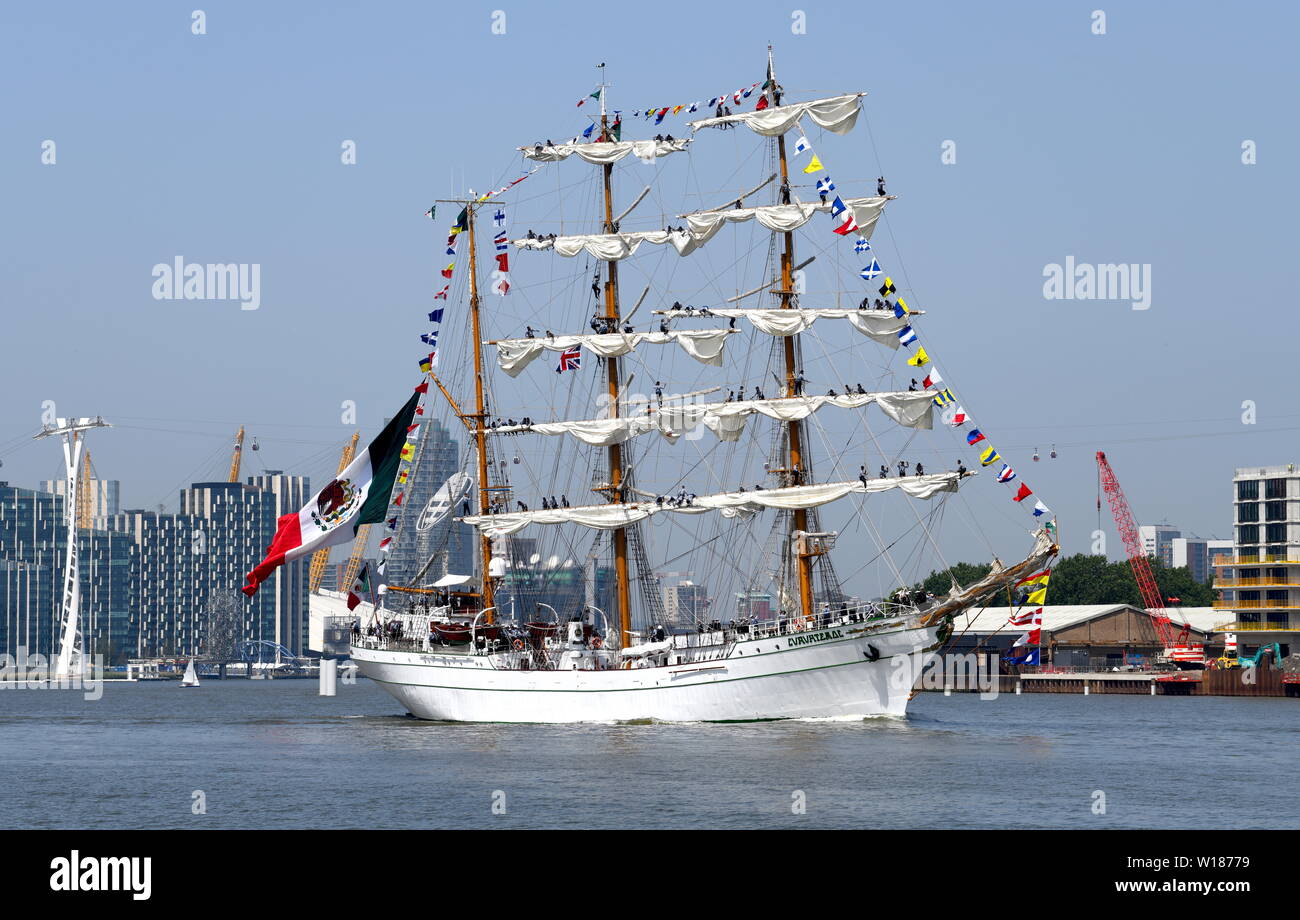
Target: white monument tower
x=69, y=662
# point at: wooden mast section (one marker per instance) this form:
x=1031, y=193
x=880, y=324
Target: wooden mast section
x=793, y=383
x=615, y=489
x=480, y=416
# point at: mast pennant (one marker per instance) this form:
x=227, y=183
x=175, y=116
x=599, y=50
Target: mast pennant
x=358, y=495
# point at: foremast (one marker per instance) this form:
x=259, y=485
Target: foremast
x=797, y=458
x=614, y=490
x=480, y=417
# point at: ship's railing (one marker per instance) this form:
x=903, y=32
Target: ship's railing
x=709, y=645
x=795, y=624
x=529, y=659
x=391, y=643
x=548, y=659
x=714, y=643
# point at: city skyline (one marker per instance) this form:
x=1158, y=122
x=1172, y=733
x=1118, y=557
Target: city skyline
x=148, y=577
x=340, y=242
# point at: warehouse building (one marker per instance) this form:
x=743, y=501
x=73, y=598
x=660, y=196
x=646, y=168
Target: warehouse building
x=1094, y=636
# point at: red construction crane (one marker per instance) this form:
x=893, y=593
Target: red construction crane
x=1177, y=648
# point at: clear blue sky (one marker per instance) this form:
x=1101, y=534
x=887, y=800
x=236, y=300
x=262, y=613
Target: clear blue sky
x=225, y=147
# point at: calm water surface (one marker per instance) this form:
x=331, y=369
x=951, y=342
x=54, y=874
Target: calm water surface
x=273, y=754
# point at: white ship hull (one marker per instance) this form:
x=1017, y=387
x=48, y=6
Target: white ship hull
x=852, y=670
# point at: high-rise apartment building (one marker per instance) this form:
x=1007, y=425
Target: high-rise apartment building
x=1260, y=582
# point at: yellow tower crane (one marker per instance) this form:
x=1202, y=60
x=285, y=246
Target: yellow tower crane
x=237, y=456
x=321, y=558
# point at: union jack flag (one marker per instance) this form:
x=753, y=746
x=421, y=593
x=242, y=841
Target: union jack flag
x=570, y=360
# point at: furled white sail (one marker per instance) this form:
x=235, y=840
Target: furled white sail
x=836, y=114
x=704, y=345
x=912, y=409
x=878, y=325
x=603, y=152
x=729, y=504
x=610, y=247
x=783, y=218
x=702, y=226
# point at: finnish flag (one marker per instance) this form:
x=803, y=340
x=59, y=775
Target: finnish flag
x=871, y=271
x=499, y=218
x=862, y=245
x=802, y=144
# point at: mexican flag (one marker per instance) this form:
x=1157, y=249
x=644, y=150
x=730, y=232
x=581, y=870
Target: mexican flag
x=358, y=495
x=361, y=587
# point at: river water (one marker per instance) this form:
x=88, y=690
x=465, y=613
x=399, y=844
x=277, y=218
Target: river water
x=274, y=754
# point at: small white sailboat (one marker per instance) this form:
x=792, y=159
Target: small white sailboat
x=191, y=678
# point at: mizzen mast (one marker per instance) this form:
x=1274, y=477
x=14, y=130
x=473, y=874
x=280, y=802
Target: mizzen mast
x=793, y=385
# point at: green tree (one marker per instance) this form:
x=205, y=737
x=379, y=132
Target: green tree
x=1088, y=579
x=940, y=583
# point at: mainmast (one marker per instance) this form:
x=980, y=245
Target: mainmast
x=615, y=489
x=793, y=385
x=480, y=416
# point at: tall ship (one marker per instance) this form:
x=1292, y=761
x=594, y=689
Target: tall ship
x=701, y=430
